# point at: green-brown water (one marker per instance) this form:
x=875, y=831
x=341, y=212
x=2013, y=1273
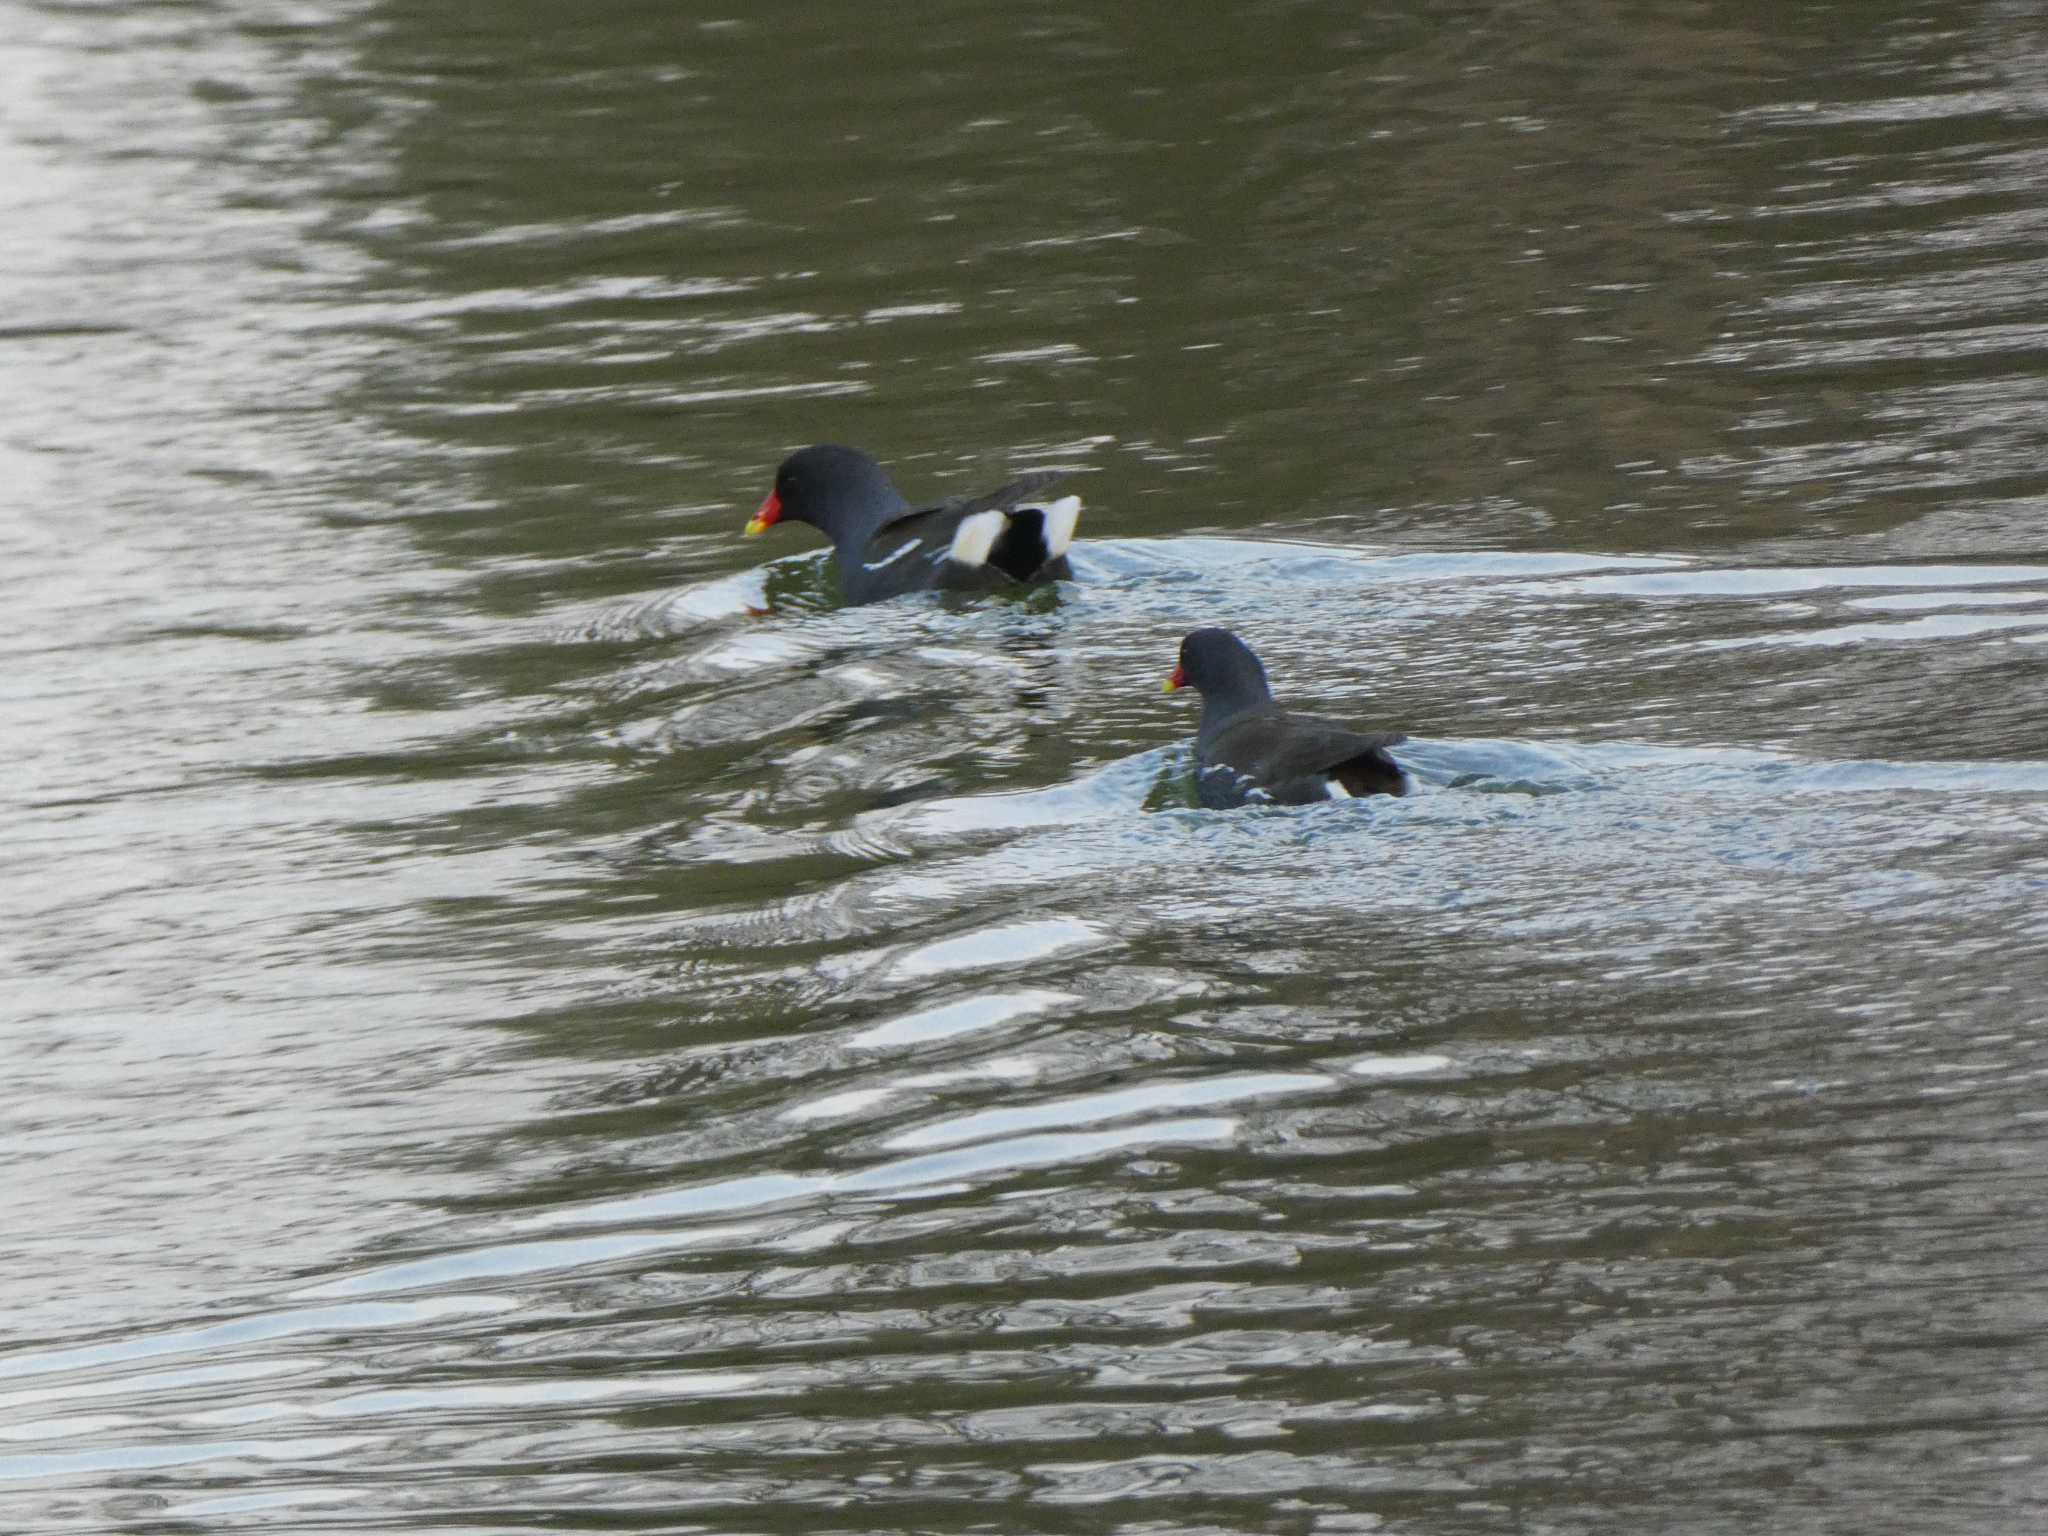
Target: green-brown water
x=519, y=1014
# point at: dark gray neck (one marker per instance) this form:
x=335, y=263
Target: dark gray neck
x=858, y=511
x=1225, y=701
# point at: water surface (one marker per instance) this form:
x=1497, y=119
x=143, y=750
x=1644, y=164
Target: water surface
x=524, y=1014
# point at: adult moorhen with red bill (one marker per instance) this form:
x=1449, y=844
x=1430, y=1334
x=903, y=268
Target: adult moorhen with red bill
x=1248, y=749
x=886, y=547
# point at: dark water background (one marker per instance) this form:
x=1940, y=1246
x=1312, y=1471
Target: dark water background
x=519, y=1018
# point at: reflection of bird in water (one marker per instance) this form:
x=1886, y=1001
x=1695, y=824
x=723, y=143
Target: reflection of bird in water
x=1033, y=647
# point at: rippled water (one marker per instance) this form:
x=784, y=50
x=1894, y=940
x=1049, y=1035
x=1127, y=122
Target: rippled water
x=522, y=1014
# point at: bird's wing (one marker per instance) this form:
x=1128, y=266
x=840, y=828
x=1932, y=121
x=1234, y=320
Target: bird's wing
x=1006, y=530
x=1026, y=488
x=1275, y=749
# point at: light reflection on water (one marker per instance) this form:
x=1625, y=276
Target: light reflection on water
x=523, y=1012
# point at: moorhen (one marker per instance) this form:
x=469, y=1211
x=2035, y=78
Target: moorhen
x=886, y=547
x=1248, y=748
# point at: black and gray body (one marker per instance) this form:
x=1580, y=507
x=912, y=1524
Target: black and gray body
x=1249, y=749
x=885, y=547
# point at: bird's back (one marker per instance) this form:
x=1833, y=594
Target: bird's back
x=1267, y=752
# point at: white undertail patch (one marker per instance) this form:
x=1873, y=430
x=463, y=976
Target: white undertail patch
x=976, y=536
x=1337, y=791
x=1060, y=517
